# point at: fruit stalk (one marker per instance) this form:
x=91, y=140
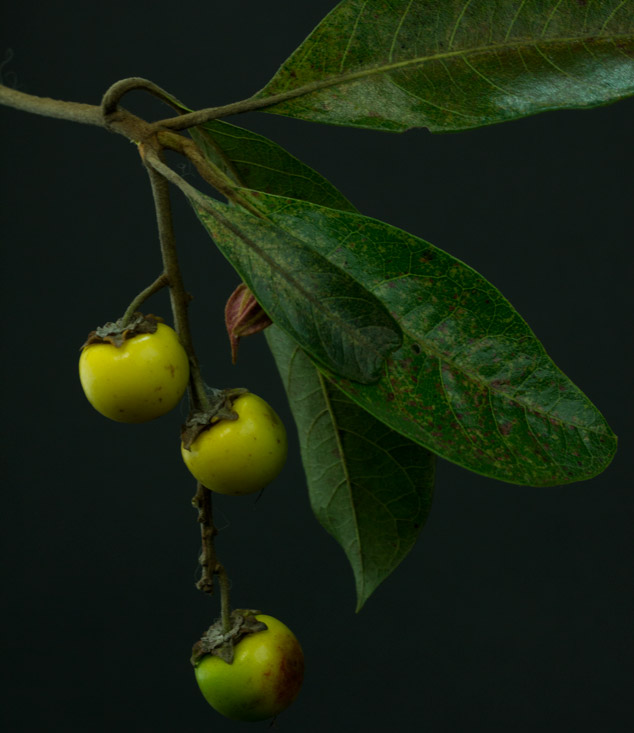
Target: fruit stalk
x=160, y=282
x=207, y=559
x=179, y=298
x=225, y=598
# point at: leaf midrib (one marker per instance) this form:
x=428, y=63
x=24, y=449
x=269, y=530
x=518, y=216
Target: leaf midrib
x=344, y=465
x=442, y=358
x=316, y=303
x=421, y=60
x=342, y=459
x=489, y=389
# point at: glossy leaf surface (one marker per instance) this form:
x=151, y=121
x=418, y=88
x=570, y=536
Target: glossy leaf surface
x=471, y=381
x=335, y=319
x=370, y=487
x=455, y=64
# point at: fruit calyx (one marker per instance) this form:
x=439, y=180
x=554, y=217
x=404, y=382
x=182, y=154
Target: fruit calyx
x=117, y=332
x=220, y=408
x=220, y=643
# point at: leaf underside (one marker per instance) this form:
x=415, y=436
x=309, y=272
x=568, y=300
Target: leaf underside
x=258, y=163
x=369, y=487
x=471, y=381
x=453, y=64
x=344, y=327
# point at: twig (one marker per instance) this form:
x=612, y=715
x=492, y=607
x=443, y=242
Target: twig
x=178, y=296
x=225, y=598
x=160, y=282
x=88, y=114
x=208, y=561
x=113, y=95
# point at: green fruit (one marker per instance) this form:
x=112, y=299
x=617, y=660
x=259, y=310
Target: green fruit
x=264, y=678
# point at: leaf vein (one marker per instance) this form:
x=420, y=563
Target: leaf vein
x=550, y=17
x=398, y=30
x=551, y=62
x=508, y=448
x=485, y=77
x=513, y=20
x=352, y=34
x=449, y=404
x=457, y=23
x=612, y=14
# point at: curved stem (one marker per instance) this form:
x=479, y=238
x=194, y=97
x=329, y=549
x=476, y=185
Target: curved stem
x=114, y=94
x=126, y=124
x=178, y=296
x=253, y=103
x=160, y=282
x=191, y=119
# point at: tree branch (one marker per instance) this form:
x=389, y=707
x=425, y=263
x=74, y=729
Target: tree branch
x=88, y=114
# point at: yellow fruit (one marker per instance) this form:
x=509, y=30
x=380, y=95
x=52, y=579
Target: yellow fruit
x=240, y=456
x=138, y=381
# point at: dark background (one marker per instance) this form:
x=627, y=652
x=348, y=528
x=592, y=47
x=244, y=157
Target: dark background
x=513, y=612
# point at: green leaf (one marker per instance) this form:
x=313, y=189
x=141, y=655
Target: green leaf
x=342, y=326
x=471, y=381
x=451, y=65
x=258, y=163
x=370, y=487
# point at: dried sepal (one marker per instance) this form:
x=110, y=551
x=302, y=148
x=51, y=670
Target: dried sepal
x=221, y=643
x=220, y=408
x=243, y=317
x=117, y=332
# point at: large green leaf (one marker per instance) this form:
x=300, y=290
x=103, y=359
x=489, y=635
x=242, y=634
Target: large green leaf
x=258, y=163
x=337, y=321
x=370, y=487
x=471, y=381
x=455, y=64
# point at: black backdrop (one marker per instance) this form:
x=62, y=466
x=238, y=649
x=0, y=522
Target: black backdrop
x=514, y=610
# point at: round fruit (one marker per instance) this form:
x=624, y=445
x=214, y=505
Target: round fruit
x=142, y=379
x=239, y=456
x=263, y=679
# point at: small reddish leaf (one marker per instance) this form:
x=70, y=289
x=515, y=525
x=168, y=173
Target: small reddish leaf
x=243, y=317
